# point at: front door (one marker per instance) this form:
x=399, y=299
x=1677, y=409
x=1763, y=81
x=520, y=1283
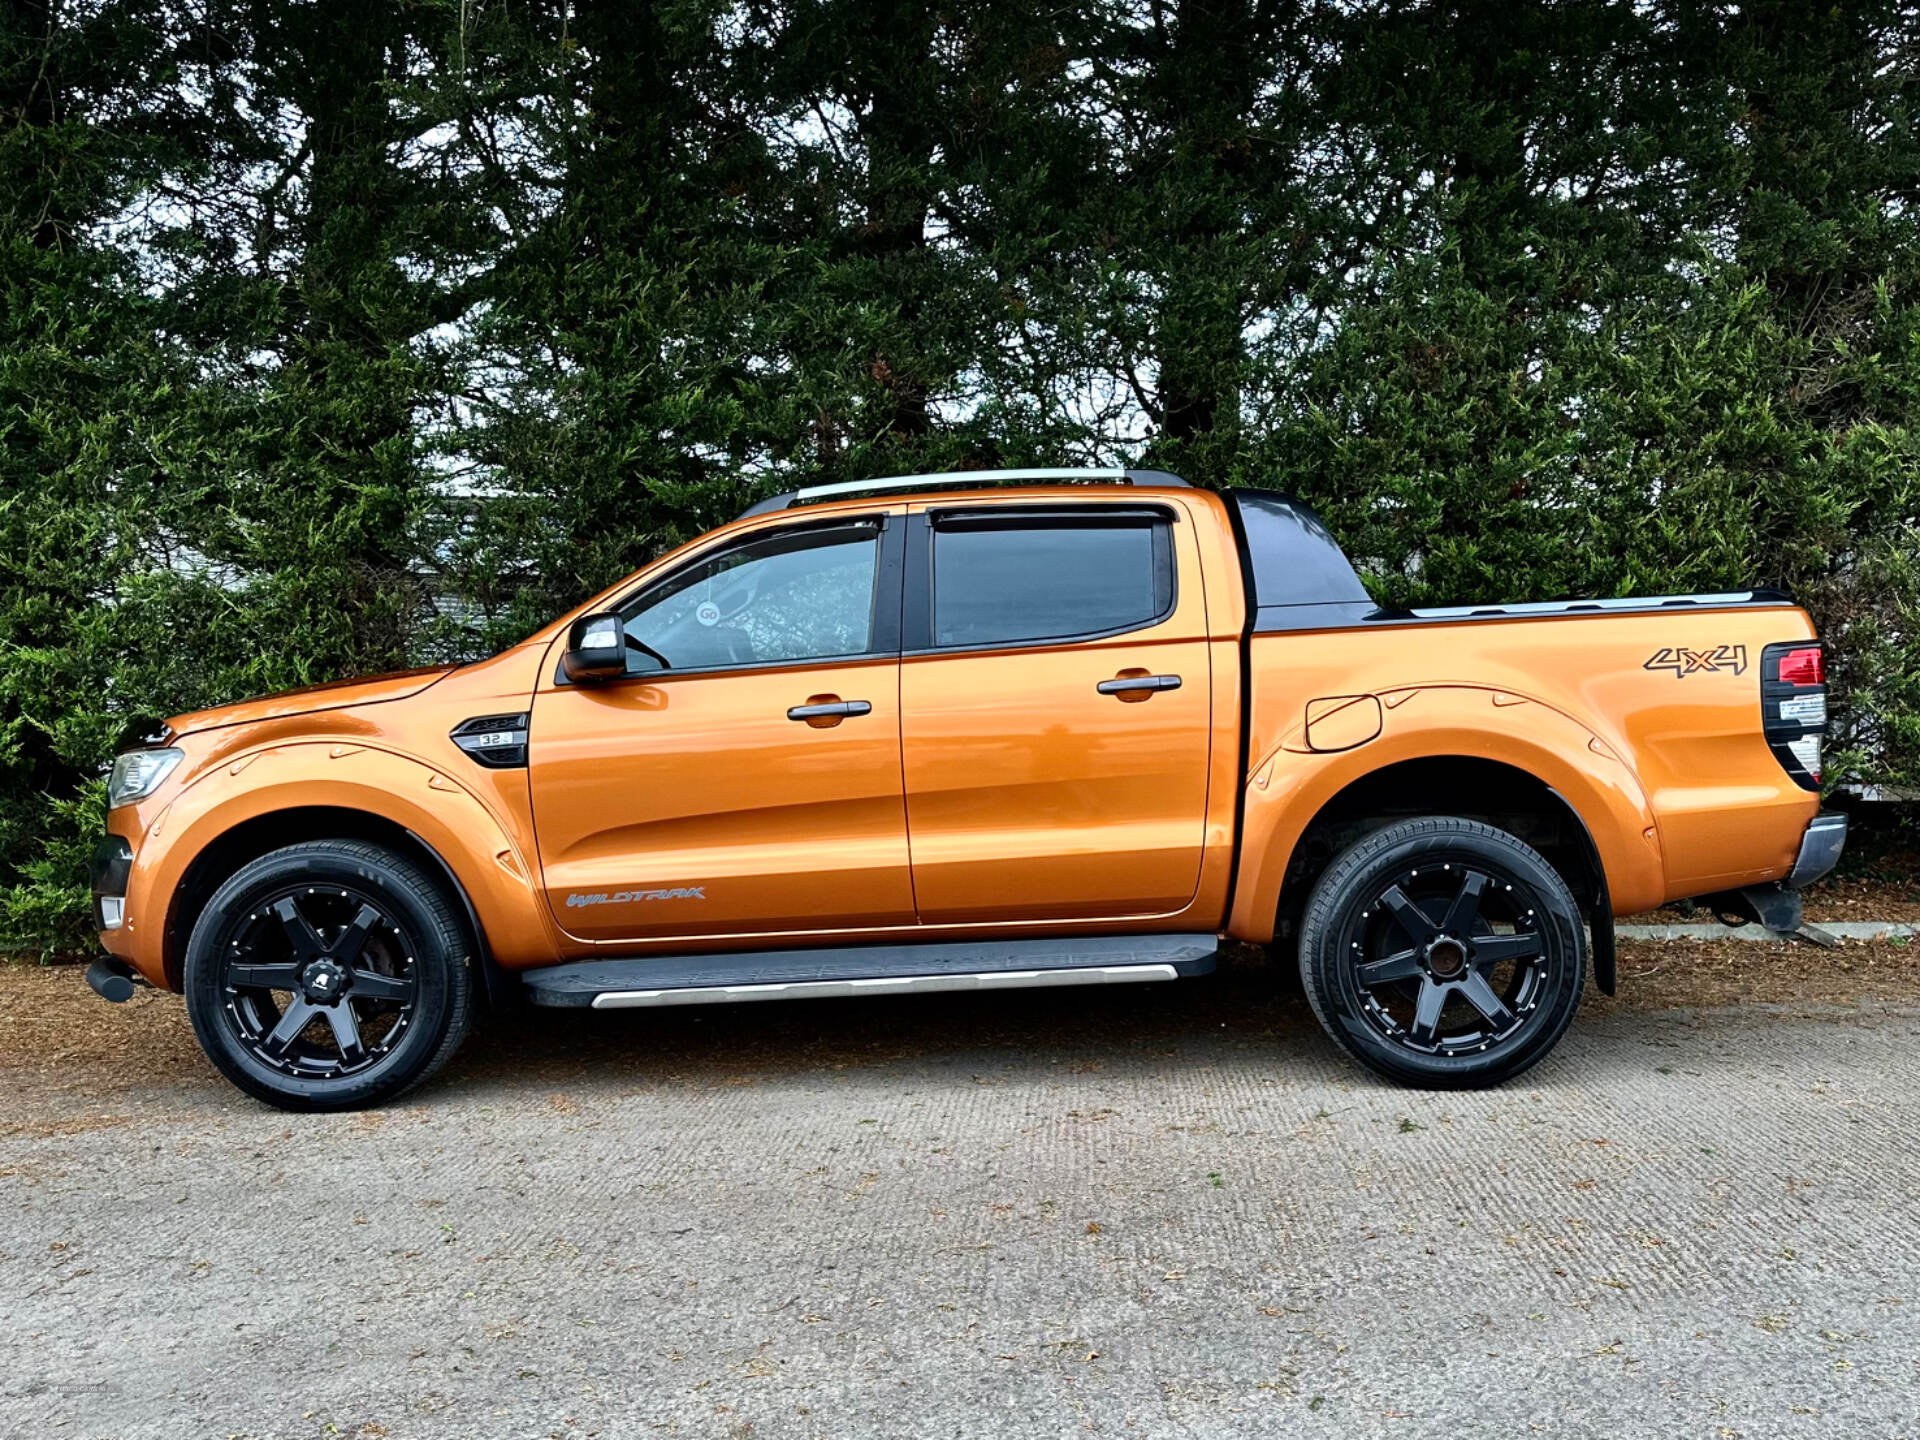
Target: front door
x=752, y=786
x=1055, y=711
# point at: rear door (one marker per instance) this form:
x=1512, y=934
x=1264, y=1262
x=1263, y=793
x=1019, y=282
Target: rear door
x=1055, y=711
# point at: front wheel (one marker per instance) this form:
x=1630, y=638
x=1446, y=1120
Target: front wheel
x=328, y=975
x=1444, y=953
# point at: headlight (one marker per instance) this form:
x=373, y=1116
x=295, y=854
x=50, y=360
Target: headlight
x=138, y=773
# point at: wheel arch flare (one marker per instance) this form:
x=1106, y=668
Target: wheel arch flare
x=289, y=793
x=1442, y=741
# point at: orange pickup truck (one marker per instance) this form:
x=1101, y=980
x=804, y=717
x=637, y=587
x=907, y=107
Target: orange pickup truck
x=972, y=732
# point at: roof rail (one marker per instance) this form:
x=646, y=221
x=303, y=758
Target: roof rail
x=968, y=479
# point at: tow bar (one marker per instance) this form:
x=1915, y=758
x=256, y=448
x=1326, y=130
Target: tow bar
x=113, y=979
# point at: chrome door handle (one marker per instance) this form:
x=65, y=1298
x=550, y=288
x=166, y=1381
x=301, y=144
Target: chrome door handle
x=1132, y=684
x=831, y=710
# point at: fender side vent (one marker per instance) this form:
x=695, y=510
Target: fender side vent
x=498, y=742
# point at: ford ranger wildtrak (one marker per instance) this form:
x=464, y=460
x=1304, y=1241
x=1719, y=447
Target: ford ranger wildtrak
x=972, y=732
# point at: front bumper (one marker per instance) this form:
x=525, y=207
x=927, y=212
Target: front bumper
x=1820, y=849
x=107, y=875
x=110, y=879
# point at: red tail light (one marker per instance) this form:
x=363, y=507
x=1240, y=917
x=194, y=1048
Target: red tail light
x=1804, y=666
x=1793, y=707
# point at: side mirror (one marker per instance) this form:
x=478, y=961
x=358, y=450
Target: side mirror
x=596, y=649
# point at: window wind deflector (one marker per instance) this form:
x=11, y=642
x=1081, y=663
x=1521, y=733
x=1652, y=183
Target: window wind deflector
x=1021, y=517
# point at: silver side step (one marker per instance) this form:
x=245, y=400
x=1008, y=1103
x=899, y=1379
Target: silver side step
x=885, y=985
x=915, y=967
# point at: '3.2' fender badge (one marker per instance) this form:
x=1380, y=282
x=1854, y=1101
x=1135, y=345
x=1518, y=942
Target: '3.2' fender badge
x=1684, y=661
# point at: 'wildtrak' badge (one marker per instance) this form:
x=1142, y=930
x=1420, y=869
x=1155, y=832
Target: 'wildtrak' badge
x=625, y=897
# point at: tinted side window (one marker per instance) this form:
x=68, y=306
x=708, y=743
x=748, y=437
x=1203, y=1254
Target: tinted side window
x=1001, y=580
x=796, y=595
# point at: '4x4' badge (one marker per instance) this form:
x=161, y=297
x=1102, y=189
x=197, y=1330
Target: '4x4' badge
x=1683, y=661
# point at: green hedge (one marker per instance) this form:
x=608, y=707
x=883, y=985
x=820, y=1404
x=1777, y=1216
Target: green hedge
x=337, y=338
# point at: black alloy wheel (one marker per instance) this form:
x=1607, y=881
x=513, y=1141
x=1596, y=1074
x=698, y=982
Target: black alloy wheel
x=320, y=982
x=1443, y=952
x=329, y=975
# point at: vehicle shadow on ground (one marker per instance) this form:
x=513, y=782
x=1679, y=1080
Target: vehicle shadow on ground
x=1248, y=1002
x=62, y=1051
x=1251, y=1009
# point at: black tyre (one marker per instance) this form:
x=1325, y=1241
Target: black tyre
x=1443, y=953
x=329, y=975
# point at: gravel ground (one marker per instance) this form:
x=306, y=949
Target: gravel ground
x=1163, y=1210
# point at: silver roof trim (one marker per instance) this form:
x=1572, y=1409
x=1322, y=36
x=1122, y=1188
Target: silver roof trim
x=956, y=477
x=951, y=478
x=1561, y=607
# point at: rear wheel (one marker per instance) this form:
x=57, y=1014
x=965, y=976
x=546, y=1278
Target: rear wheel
x=329, y=975
x=1444, y=953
